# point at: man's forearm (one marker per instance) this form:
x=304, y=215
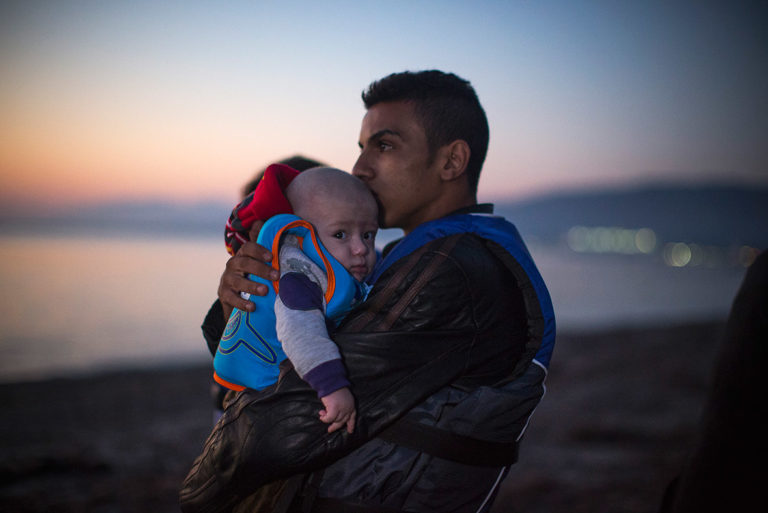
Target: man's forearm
x=213, y=325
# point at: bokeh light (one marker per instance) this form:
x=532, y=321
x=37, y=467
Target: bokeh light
x=611, y=239
x=677, y=254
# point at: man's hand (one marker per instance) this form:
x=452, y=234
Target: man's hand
x=339, y=410
x=251, y=258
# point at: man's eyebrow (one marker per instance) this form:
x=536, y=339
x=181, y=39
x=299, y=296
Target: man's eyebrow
x=380, y=134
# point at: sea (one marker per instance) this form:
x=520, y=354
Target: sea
x=83, y=303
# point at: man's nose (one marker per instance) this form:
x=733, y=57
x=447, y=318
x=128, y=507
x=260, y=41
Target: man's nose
x=361, y=169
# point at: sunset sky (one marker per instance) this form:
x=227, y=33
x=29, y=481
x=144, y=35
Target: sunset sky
x=184, y=100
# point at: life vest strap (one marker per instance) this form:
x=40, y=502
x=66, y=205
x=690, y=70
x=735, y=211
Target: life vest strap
x=331, y=505
x=451, y=446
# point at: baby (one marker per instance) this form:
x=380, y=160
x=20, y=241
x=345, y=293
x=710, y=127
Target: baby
x=344, y=214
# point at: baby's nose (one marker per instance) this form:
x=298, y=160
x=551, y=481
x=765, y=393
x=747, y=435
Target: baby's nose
x=359, y=247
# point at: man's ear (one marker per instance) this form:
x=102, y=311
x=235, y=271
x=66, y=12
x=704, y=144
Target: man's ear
x=456, y=157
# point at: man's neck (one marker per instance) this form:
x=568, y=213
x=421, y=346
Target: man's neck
x=476, y=208
x=453, y=195
x=469, y=206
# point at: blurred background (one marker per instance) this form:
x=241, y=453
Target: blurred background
x=627, y=145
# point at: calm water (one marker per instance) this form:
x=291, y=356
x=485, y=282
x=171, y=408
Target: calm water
x=83, y=304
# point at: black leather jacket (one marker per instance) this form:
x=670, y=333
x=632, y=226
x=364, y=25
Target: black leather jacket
x=444, y=341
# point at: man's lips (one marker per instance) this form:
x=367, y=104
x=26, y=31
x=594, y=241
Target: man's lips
x=380, y=208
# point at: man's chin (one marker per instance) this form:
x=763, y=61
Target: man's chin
x=382, y=216
x=384, y=222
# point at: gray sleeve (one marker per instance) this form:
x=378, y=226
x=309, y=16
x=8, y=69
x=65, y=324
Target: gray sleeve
x=303, y=332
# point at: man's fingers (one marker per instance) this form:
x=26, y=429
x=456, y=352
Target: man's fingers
x=252, y=258
x=232, y=284
x=253, y=233
x=237, y=283
x=252, y=250
x=233, y=300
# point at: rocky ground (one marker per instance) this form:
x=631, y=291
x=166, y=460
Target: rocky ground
x=614, y=428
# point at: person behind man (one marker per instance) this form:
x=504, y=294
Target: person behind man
x=726, y=469
x=447, y=356
x=297, y=162
x=343, y=213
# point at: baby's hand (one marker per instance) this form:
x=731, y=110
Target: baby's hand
x=339, y=410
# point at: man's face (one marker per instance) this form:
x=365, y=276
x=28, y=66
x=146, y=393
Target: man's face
x=396, y=164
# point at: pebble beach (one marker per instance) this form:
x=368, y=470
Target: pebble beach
x=618, y=419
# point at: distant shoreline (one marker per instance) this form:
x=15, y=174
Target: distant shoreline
x=716, y=212
x=192, y=362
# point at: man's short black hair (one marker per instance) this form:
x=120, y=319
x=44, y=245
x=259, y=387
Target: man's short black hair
x=447, y=106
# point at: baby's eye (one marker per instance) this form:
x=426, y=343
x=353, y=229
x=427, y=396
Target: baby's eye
x=340, y=235
x=369, y=235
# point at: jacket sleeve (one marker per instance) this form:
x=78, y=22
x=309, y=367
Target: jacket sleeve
x=399, y=347
x=213, y=326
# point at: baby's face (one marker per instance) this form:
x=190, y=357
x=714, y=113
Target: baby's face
x=348, y=232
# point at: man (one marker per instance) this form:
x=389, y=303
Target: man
x=726, y=470
x=447, y=357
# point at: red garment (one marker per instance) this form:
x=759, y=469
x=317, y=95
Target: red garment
x=267, y=200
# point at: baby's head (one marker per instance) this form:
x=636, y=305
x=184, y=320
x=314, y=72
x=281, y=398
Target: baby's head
x=344, y=213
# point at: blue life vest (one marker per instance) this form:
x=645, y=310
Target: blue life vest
x=249, y=352
x=539, y=311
